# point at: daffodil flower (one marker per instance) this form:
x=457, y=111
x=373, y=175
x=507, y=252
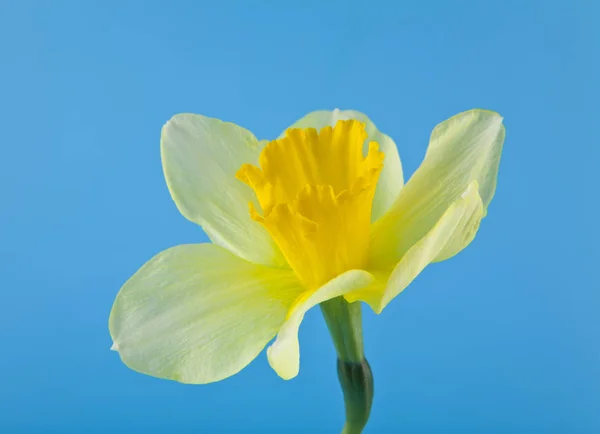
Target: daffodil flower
x=319, y=214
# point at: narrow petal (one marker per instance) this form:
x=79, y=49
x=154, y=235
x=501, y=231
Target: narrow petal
x=456, y=226
x=198, y=314
x=463, y=149
x=284, y=354
x=200, y=157
x=391, y=179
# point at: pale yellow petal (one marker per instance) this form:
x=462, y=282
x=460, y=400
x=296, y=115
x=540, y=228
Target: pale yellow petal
x=463, y=149
x=201, y=156
x=391, y=179
x=198, y=314
x=455, y=227
x=284, y=354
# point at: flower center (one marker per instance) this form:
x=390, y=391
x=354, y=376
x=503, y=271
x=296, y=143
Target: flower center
x=316, y=190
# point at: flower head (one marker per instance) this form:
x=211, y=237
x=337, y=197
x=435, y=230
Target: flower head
x=318, y=213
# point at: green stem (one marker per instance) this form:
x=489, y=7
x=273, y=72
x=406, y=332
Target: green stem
x=344, y=321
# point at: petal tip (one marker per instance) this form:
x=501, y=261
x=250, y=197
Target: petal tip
x=281, y=362
x=490, y=113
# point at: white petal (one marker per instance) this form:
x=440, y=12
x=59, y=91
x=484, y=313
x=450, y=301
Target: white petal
x=284, y=354
x=197, y=313
x=200, y=158
x=463, y=149
x=455, y=226
x=390, y=179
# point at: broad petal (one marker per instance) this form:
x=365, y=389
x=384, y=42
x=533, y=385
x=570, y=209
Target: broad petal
x=391, y=179
x=200, y=157
x=463, y=149
x=197, y=313
x=284, y=354
x=456, y=226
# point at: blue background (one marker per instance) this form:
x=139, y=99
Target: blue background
x=503, y=338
